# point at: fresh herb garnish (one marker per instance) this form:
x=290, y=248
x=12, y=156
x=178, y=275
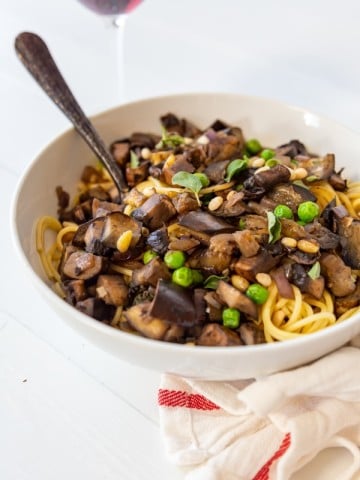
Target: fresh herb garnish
x=274, y=227
x=235, y=167
x=212, y=282
x=134, y=159
x=311, y=178
x=300, y=183
x=170, y=140
x=314, y=271
x=190, y=181
x=242, y=224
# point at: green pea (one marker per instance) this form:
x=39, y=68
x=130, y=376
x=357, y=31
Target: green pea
x=183, y=276
x=283, y=211
x=174, y=259
x=148, y=256
x=197, y=277
x=257, y=293
x=307, y=211
x=267, y=154
x=271, y=163
x=205, y=182
x=253, y=146
x=231, y=317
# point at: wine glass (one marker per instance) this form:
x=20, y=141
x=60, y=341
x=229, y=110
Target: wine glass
x=117, y=11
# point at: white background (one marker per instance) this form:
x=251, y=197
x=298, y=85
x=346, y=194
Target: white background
x=81, y=413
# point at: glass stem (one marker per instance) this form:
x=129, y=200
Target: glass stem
x=120, y=22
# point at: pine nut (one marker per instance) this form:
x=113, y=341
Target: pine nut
x=230, y=194
x=145, y=153
x=307, y=246
x=299, y=173
x=203, y=140
x=170, y=161
x=215, y=203
x=264, y=279
x=289, y=242
x=188, y=140
x=128, y=209
x=257, y=163
x=262, y=169
x=124, y=241
x=240, y=283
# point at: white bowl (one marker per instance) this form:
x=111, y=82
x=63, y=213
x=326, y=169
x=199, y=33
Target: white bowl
x=61, y=163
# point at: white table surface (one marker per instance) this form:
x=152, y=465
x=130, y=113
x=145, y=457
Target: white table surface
x=67, y=409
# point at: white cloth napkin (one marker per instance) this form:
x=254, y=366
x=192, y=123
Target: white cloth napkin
x=264, y=429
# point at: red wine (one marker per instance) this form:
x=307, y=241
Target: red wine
x=111, y=7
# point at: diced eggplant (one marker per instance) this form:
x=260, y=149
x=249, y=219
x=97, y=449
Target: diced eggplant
x=233, y=298
x=101, y=208
x=338, y=275
x=184, y=243
x=232, y=207
x=246, y=243
x=213, y=335
x=180, y=164
x=298, y=275
x=83, y=265
x=156, y=211
x=91, y=174
x=225, y=146
x=290, y=228
x=112, y=290
x=95, y=192
x=249, y=267
x=135, y=175
x=151, y=273
x=292, y=149
x=205, y=222
x=282, y=283
x=121, y=152
x=320, y=167
x=115, y=224
x=250, y=334
x=216, y=172
x=158, y=240
x=290, y=195
x=349, y=230
x=75, y=291
x=326, y=239
x=261, y=182
x=63, y=198
x=177, y=305
x=140, y=319
x=337, y=182
x=303, y=258
x=352, y=300
x=218, y=256
x=185, y=202
x=96, y=308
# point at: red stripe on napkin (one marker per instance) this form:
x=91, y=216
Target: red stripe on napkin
x=177, y=398
x=263, y=473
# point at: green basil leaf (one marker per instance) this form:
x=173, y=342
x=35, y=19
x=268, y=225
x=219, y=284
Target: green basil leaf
x=314, y=271
x=170, y=140
x=134, y=159
x=235, y=167
x=187, y=180
x=212, y=282
x=274, y=227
